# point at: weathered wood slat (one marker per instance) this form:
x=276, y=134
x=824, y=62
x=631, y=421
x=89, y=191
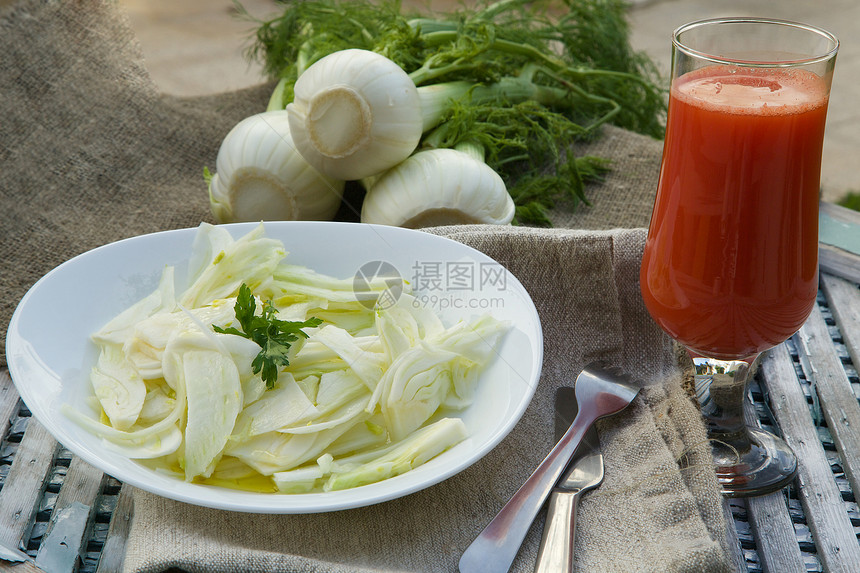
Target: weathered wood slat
x=819, y=495
x=776, y=540
x=120, y=523
x=72, y=517
x=771, y=523
x=82, y=484
x=19, y=498
x=734, y=543
x=833, y=260
x=843, y=298
x=23, y=567
x=838, y=402
x=839, y=249
x=8, y=400
x=839, y=213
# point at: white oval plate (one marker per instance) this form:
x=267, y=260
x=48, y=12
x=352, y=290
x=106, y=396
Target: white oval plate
x=50, y=354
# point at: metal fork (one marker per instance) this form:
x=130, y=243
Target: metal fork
x=600, y=391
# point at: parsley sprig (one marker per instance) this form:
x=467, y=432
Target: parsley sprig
x=274, y=336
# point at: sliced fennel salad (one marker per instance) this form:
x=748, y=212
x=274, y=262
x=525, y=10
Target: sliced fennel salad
x=359, y=394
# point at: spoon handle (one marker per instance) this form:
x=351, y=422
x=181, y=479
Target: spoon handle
x=495, y=548
x=559, y=534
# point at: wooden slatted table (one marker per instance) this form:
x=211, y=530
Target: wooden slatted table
x=807, y=390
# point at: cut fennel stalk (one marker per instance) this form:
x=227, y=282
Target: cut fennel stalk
x=374, y=465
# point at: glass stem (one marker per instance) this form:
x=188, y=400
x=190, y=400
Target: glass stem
x=721, y=386
x=748, y=461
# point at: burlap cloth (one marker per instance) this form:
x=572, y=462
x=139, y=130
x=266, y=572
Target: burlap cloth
x=90, y=153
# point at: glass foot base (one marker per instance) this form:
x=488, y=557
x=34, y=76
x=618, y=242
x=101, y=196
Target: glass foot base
x=768, y=466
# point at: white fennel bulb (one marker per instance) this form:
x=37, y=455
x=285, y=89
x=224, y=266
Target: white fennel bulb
x=355, y=114
x=438, y=187
x=260, y=176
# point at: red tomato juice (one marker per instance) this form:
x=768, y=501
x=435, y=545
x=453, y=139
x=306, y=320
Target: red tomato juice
x=731, y=262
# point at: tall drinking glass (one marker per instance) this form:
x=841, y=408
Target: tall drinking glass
x=730, y=267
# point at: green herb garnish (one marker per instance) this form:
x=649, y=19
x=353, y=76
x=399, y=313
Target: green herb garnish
x=274, y=336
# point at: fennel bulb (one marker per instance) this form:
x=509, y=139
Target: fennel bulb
x=260, y=176
x=355, y=114
x=438, y=187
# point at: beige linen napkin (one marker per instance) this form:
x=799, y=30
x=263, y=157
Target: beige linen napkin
x=92, y=153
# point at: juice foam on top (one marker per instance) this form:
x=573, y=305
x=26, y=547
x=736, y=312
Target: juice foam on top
x=759, y=91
